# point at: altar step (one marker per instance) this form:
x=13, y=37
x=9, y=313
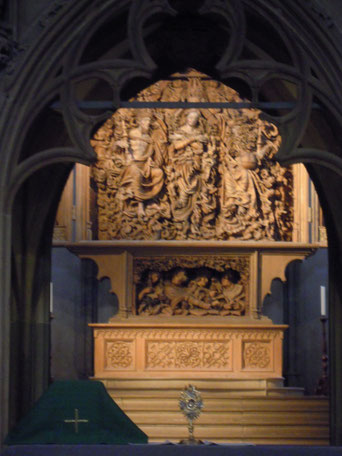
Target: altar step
x=160, y=387
x=255, y=411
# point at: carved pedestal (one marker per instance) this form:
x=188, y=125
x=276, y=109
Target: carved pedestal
x=188, y=350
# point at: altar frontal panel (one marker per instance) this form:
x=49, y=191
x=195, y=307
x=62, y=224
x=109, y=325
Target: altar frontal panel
x=188, y=350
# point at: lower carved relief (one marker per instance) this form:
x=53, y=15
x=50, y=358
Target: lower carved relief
x=195, y=286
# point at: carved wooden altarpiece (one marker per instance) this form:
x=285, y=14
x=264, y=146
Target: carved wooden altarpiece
x=192, y=219
x=191, y=173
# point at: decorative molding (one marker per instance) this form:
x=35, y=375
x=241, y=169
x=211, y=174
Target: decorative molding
x=189, y=333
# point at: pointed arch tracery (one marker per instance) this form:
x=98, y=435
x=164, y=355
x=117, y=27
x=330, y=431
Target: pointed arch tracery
x=137, y=63
x=51, y=72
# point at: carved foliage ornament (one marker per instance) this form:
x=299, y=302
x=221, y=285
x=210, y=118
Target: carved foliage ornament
x=257, y=355
x=188, y=355
x=190, y=173
x=119, y=354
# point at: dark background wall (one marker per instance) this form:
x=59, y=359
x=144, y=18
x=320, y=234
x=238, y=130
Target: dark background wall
x=297, y=304
x=78, y=299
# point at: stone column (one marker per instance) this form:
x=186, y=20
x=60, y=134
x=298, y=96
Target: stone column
x=5, y=268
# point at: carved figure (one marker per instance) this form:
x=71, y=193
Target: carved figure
x=187, y=146
x=177, y=293
x=199, y=296
x=195, y=291
x=191, y=186
x=228, y=296
x=151, y=298
x=142, y=177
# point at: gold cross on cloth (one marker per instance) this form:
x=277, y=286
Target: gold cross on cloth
x=76, y=420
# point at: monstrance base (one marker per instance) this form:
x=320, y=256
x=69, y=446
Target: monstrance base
x=191, y=442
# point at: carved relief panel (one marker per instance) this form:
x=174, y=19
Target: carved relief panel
x=185, y=355
x=192, y=285
x=191, y=173
x=169, y=203
x=119, y=354
x=131, y=350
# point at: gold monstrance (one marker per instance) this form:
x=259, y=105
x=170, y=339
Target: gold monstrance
x=191, y=405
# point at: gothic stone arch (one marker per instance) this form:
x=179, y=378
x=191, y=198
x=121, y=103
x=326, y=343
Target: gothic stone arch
x=268, y=47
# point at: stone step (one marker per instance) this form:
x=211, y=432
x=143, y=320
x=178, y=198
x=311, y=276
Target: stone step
x=236, y=418
x=249, y=411
x=306, y=404
x=256, y=441
x=204, y=385
x=170, y=388
x=245, y=433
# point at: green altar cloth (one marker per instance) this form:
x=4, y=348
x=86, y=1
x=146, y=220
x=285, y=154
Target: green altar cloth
x=75, y=412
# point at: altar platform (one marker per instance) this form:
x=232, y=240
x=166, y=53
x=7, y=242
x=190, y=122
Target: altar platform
x=171, y=450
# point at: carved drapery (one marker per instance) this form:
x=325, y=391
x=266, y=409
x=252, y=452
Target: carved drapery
x=191, y=174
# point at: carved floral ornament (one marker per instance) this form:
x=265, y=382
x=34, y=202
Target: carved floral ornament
x=191, y=173
x=200, y=349
x=188, y=355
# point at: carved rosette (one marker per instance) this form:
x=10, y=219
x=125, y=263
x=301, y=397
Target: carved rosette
x=257, y=355
x=119, y=354
x=191, y=174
